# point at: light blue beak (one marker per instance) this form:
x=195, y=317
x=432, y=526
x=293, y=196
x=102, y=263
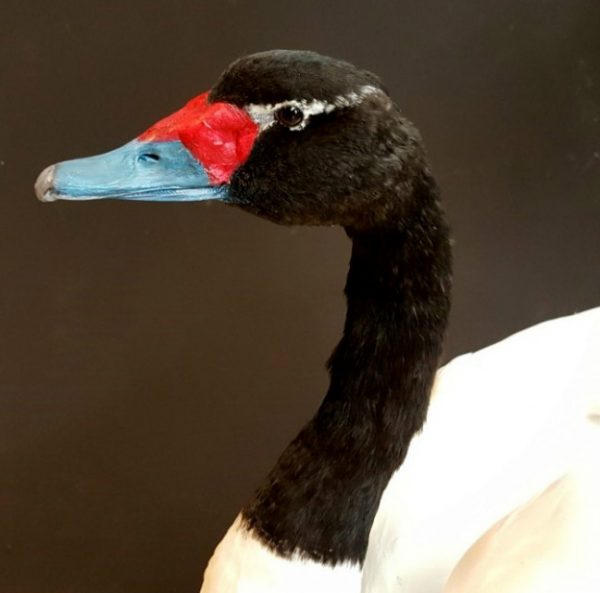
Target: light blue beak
x=151, y=171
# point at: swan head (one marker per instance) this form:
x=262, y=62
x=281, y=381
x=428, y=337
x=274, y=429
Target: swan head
x=291, y=136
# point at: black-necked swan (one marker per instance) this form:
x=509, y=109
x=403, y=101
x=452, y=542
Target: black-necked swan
x=299, y=138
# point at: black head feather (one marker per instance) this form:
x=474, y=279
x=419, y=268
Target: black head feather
x=337, y=170
x=281, y=74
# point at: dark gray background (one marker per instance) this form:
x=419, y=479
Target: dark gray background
x=156, y=358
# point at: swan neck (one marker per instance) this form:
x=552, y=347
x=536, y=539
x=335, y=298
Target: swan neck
x=320, y=499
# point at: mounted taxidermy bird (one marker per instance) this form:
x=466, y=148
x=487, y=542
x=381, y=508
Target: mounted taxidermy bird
x=299, y=138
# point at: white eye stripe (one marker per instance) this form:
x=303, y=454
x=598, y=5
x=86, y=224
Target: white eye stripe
x=264, y=115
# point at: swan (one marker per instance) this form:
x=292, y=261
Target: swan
x=375, y=494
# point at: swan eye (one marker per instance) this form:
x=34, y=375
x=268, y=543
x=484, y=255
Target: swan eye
x=289, y=116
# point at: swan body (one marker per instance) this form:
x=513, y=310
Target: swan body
x=504, y=424
x=299, y=138
x=514, y=461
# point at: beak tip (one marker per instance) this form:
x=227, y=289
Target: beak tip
x=44, y=185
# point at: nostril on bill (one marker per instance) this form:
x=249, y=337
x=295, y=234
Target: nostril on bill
x=43, y=185
x=149, y=157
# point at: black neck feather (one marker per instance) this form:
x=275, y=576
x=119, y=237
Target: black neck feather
x=320, y=499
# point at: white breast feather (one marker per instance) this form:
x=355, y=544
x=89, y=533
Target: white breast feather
x=243, y=564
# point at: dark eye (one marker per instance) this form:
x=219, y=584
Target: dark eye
x=289, y=116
